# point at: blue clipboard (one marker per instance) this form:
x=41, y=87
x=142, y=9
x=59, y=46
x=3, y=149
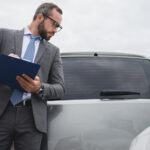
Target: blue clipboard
x=10, y=67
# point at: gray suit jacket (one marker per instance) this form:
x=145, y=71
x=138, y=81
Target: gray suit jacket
x=50, y=73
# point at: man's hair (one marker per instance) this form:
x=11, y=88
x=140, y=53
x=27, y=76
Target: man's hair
x=46, y=9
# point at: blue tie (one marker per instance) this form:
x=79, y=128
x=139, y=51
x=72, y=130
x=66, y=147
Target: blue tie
x=16, y=96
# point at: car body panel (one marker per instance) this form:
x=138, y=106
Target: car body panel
x=85, y=120
x=96, y=124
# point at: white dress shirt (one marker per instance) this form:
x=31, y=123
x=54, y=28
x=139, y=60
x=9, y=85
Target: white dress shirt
x=26, y=40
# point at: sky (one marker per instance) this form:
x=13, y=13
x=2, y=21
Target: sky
x=90, y=25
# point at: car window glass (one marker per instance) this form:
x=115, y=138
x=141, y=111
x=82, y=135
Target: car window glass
x=86, y=77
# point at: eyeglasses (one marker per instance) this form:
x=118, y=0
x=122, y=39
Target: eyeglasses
x=55, y=24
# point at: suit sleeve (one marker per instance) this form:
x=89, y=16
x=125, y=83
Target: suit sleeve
x=1, y=35
x=54, y=89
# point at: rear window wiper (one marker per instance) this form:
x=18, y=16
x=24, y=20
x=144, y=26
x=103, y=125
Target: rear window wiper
x=117, y=93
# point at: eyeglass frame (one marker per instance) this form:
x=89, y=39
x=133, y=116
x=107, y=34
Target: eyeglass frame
x=55, y=23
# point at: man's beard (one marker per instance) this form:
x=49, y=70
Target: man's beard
x=42, y=31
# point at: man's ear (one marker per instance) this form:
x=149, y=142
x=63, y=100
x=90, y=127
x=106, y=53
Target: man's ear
x=40, y=17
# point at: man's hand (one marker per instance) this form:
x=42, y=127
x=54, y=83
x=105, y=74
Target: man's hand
x=28, y=84
x=13, y=55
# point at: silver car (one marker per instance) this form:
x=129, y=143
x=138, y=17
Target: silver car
x=106, y=104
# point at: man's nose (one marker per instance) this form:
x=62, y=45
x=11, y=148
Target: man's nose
x=54, y=29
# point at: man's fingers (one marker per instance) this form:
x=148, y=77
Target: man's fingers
x=28, y=83
x=23, y=82
x=37, y=78
x=27, y=78
x=13, y=55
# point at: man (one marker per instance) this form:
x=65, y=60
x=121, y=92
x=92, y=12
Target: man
x=23, y=117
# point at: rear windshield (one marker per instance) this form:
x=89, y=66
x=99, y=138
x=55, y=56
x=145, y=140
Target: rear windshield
x=87, y=77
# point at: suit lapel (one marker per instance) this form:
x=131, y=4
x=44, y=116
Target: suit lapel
x=18, y=45
x=40, y=51
x=18, y=42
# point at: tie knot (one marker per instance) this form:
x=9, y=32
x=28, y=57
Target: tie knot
x=34, y=37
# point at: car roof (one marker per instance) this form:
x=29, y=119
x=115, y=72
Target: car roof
x=102, y=54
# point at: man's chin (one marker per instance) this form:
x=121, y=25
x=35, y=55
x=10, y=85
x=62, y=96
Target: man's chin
x=47, y=38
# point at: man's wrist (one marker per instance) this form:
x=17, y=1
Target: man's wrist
x=40, y=91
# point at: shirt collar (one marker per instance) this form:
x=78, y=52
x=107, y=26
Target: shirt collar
x=28, y=32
